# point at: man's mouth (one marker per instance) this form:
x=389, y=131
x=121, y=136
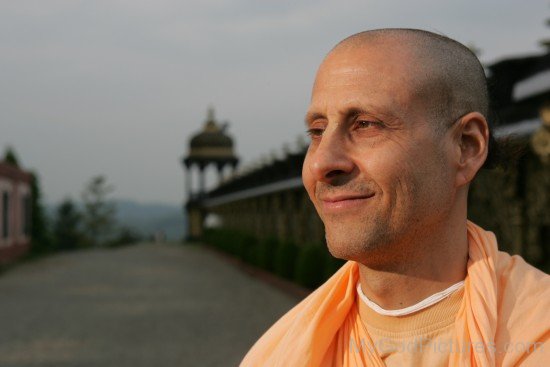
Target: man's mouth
x=343, y=202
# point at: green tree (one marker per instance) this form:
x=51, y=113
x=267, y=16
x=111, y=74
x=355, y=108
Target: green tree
x=126, y=236
x=67, y=228
x=99, y=213
x=10, y=157
x=40, y=232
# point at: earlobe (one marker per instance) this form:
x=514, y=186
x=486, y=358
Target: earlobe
x=473, y=137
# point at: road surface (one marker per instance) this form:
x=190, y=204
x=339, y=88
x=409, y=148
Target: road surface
x=144, y=305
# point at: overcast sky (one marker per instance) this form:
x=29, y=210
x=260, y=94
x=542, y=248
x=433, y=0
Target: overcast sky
x=118, y=87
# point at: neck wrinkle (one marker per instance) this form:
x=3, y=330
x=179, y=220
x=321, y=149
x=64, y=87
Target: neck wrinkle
x=427, y=271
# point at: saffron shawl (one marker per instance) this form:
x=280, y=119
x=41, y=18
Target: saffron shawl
x=505, y=310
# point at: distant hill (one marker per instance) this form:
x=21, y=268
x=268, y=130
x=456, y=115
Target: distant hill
x=147, y=219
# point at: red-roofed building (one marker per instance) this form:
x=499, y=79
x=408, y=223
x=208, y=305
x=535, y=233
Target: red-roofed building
x=15, y=212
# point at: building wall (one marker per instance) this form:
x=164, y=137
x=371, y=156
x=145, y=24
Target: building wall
x=287, y=215
x=514, y=203
x=14, y=213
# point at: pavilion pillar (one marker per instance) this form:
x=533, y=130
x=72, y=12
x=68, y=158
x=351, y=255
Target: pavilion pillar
x=202, y=182
x=220, y=167
x=188, y=182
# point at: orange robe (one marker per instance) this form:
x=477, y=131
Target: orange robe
x=503, y=319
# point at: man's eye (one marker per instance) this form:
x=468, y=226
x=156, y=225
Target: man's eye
x=364, y=124
x=315, y=132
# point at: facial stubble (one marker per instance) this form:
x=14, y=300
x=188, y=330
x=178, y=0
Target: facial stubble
x=376, y=236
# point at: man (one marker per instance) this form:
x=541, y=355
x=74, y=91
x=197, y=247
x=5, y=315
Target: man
x=398, y=132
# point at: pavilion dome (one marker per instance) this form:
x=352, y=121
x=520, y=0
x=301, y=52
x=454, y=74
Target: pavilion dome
x=212, y=136
x=212, y=144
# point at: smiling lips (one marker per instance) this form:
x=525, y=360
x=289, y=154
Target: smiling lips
x=343, y=202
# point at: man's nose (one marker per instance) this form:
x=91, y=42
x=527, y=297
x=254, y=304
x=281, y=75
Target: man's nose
x=330, y=160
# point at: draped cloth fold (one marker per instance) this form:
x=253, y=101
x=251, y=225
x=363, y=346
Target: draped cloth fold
x=503, y=320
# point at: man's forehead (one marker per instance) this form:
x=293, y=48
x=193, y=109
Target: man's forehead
x=361, y=74
x=395, y=41
x=371, y=63
x=355, y=75
x=382, y=50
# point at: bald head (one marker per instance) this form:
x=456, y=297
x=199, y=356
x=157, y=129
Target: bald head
x=447, y=77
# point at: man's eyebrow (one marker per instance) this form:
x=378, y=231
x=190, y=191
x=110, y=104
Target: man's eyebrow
x=312, y=116
x=349, y=114
x=354, y=112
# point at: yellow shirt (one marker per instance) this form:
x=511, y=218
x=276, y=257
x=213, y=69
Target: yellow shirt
x=424, y=338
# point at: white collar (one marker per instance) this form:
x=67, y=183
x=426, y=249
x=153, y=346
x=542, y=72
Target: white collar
x=427, y=302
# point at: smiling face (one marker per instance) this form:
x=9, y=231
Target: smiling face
x=376, y=169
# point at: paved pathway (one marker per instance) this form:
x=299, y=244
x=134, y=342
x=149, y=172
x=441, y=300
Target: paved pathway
x=144, y=305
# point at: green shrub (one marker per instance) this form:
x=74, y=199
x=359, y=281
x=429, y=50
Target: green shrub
x=209, y=236
x=219, y=238
x=310, y=266
x=253, y=254
x=248, y=247
x=216, y=237
x=232, y=242
x=266, y=253
x=236, y=243
x=285, y=259
x=332, y=265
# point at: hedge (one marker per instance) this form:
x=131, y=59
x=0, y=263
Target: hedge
x=309, y=265
x=285, y=260
x=267, y=250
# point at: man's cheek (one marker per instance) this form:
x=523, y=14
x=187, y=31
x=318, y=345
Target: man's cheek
x=378, y=162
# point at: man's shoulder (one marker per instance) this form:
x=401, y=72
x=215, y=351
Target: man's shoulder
x=523, y=296
x=520, y=284
x=517, y=276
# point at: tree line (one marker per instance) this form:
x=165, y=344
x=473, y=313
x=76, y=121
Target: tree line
x=73, y=226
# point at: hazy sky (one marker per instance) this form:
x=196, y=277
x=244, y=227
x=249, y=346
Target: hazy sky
x=117, y=87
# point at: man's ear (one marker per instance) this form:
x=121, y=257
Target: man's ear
x=472, y=141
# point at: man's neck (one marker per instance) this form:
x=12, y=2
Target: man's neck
x=429, y=265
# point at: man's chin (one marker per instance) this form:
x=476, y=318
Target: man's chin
x=345, y=247
x=353, y=244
